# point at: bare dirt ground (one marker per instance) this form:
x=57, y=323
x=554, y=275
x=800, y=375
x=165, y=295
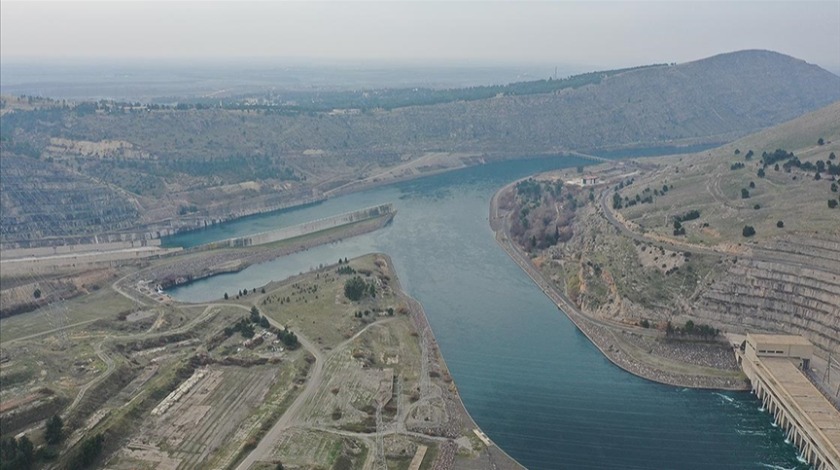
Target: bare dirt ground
x=175, y=386
x=382, y=389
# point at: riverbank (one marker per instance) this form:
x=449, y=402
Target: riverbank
x=395, y=354
x=461, y=418
x=631, y=349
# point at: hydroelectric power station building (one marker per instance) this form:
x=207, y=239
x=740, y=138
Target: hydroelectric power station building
x=774, y=365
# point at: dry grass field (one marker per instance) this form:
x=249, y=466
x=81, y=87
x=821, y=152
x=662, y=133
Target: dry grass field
x=706, y=182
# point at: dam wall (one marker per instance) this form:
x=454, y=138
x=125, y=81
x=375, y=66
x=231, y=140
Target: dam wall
x=774, y=364
x=285, y=233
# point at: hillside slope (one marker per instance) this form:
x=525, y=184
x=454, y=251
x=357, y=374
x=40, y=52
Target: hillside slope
x=170, y=158
x=784, y=274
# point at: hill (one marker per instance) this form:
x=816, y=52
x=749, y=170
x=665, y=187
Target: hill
x=170, y=162
x=744, y=237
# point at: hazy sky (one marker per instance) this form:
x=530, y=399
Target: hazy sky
x=593, y=33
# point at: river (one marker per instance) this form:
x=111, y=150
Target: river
x=530, y=379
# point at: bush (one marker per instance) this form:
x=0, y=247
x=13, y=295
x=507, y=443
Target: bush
x=780, y=224
x=745, y=193
x=748, y=231
x=832, y=203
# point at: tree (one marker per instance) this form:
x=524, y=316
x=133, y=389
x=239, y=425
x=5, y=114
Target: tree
x=780, y=224
x=831, y=156
x=832, y=203
x=833, y=187
x=820, y=141
x=355, y=288
x=26, y=451
x=247, y=330
x=226, y=296
x=748, y=231
x=53, y=431
x=255, y=314
x=745, y=193
x=16, y=454
x=88, y=452
x=737, y=152
x=752, y=184
x=761, y=172
x=264, y=322
x=37, y=293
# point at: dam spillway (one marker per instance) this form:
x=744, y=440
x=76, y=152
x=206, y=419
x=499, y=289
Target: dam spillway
x=774, y=364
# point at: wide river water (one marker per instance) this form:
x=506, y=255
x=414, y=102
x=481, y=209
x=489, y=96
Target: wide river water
x=527, y=375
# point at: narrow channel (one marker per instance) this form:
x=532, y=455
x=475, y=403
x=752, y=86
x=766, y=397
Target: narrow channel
x=530, y=379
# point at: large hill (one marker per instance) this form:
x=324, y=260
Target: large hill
x=744, y=237
x=170, y=161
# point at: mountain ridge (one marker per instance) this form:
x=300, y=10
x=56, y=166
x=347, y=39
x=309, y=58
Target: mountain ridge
x=169, y=158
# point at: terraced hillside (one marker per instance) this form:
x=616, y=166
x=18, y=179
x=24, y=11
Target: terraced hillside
x=175, y=157
x=772, y=296
x=768, y=206
x=41, y=200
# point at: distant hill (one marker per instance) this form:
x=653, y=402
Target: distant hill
x=154, y=153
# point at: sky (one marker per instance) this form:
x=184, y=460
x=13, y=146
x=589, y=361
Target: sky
x=592, y=33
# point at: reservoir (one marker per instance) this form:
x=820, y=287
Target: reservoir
x=530, y=379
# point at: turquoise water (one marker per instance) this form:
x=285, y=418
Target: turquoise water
x=529, y=378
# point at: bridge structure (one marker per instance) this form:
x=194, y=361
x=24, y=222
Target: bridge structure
x=774, y=365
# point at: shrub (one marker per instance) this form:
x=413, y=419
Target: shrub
x=748, y=231
x=780, y=224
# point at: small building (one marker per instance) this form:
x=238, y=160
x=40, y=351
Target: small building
x=788, y=346
x=587, y=180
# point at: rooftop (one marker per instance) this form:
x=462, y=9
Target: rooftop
x=779, y=339
x=825, y=418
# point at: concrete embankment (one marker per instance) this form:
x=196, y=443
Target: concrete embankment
x=211, y=259
x=286, y=233
x=609, y=337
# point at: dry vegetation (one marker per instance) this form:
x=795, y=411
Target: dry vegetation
x=164, y=168
x=171, y=385
x=664, y=243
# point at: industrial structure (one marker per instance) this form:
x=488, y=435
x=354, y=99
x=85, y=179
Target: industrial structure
x=774, y=364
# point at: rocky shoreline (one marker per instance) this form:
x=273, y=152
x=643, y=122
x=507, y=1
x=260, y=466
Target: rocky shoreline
x=613, y=340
